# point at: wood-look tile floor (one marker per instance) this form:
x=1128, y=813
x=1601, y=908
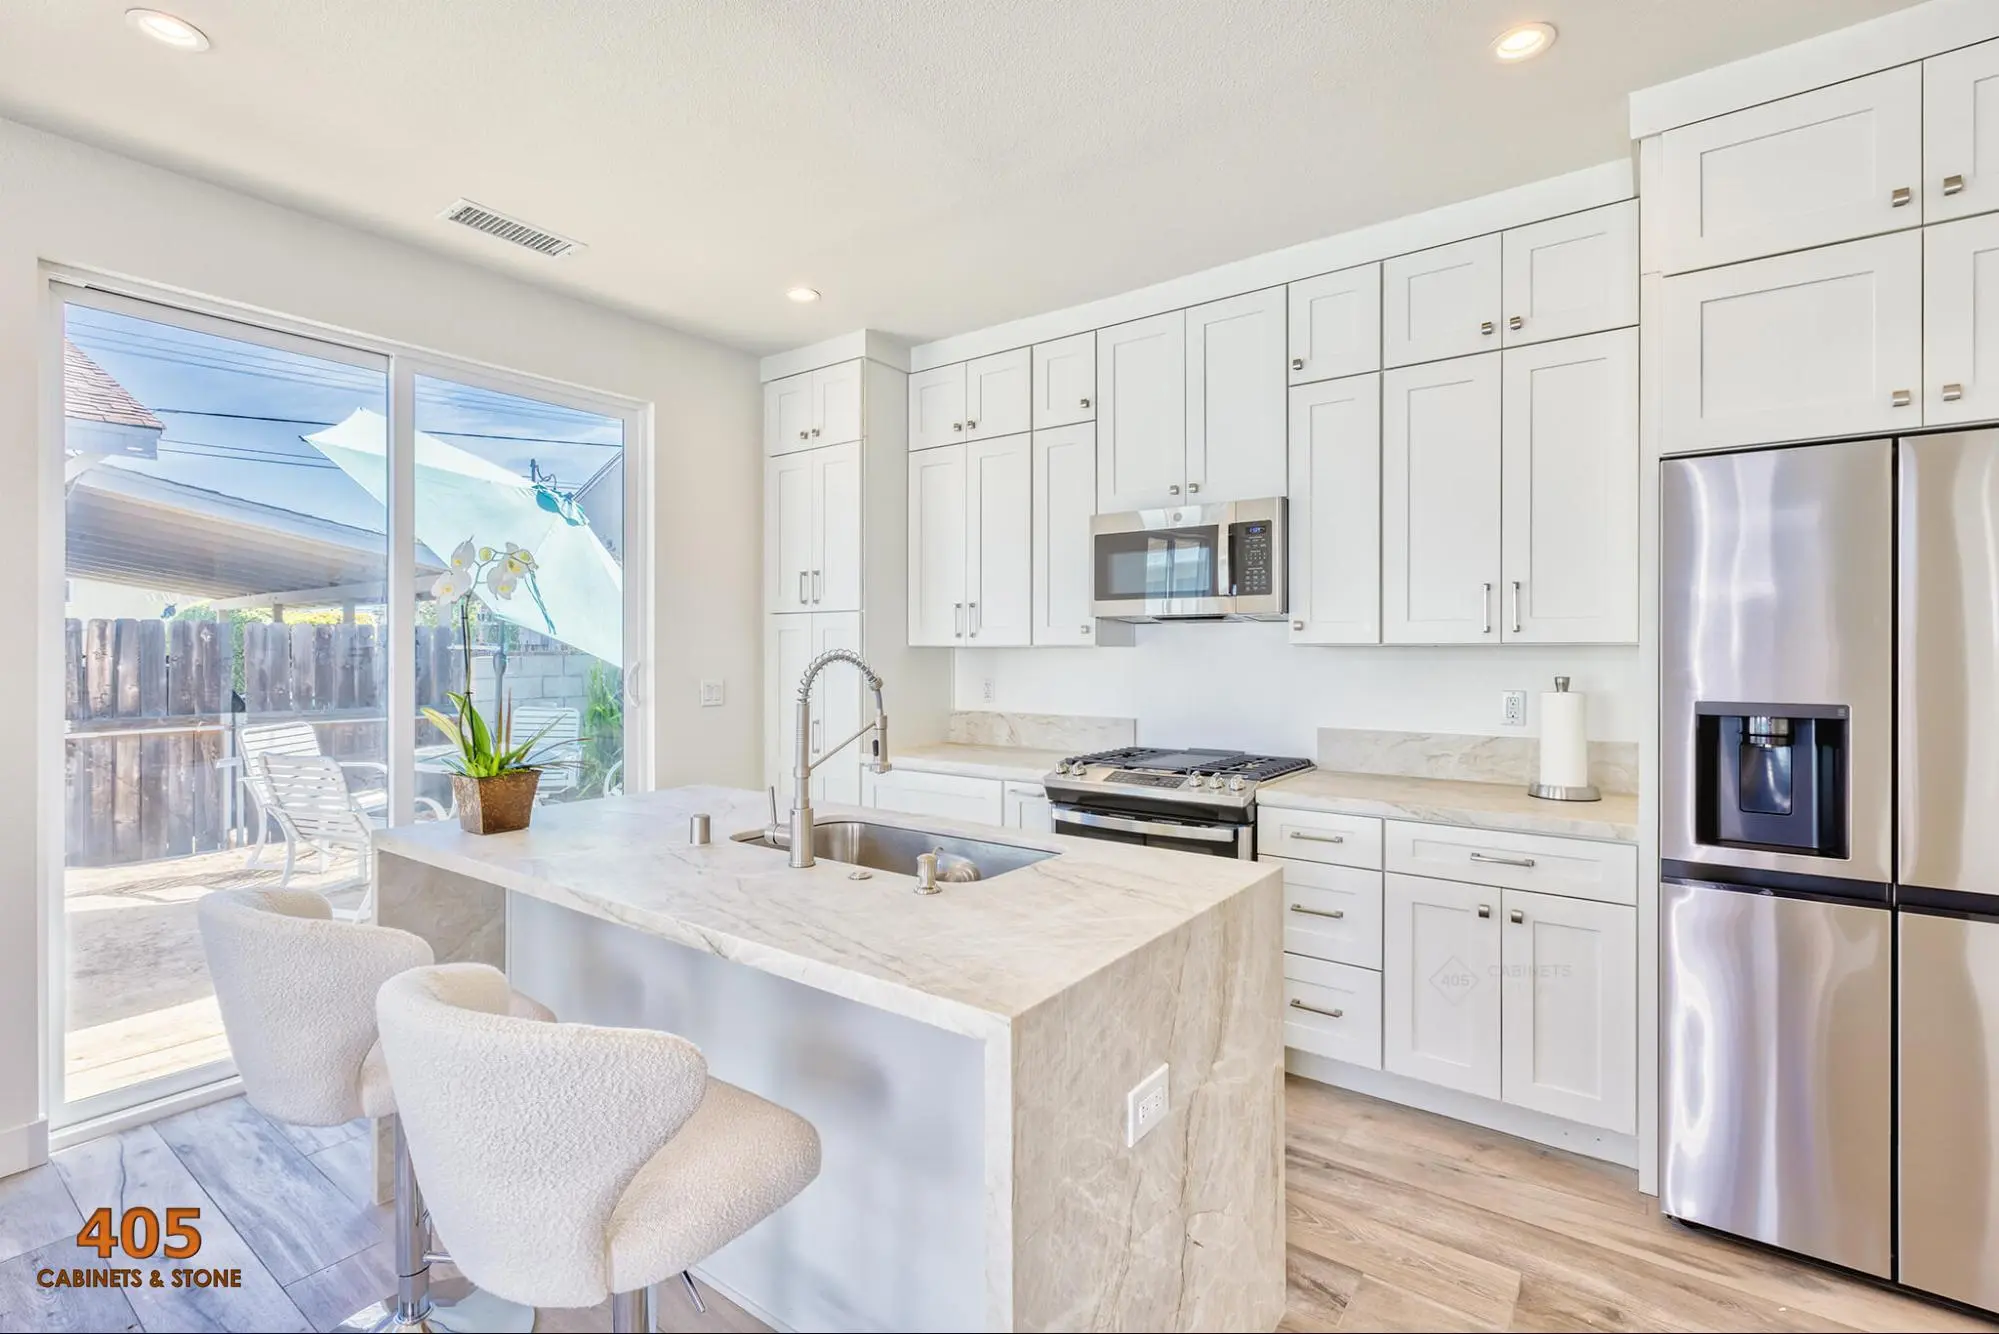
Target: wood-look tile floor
x=1398, y=1220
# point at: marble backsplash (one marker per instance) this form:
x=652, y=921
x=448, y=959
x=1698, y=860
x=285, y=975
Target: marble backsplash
x=1073, y=733
x=1613, y=765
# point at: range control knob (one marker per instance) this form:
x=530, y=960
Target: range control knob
x=1236, y=784
x=1214, y=780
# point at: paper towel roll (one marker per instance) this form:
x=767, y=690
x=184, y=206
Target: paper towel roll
x=1564, y=737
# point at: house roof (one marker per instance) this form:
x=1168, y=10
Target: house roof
x=88, y=394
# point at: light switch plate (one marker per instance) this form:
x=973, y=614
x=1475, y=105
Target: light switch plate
x=1513, y=708
x=1145, y=1107
x=712, y=694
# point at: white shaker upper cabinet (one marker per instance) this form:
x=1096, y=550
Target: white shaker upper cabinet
x=1829, y=165
x=835, y=577
x=1336, y=324
x=1065, y=381
x=1572, y=275
x=788, y=414
x=1235, y=398
x=1336, y=512
x=1142, y=413
x=1440, y=1010
x=836, y=403
x=937, y=550
x=1569, y=491
x=1961, y=322
x=1961, y=133
x=937, y=407
x=1569, y=1041
x=1441, y=303
x=1065, y=496
x=1825, y=342
x=997, y=401
x=788, y=532
x=1440, y=468
x=998, y=543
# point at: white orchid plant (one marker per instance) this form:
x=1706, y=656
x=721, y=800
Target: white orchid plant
x=485, y=751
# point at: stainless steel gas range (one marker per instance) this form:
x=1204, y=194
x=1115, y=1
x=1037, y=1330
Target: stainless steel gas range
x=1190, y=800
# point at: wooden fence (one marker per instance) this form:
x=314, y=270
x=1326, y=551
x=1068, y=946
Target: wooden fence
x=152, y=712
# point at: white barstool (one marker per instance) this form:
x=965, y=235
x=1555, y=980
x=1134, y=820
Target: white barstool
x=568, y=1162
x=297, y=994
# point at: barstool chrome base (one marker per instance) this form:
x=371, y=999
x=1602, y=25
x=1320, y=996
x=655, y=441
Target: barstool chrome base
x=474, y=1313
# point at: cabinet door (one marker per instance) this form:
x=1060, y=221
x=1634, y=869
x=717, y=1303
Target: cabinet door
x=1065, y=381
x=787, y=653
x=836, y=522
x=1336, y=512
x=1065, y=496
x=1336, y=324
x=836, y=710
x=1572, y=275
x=788, y=532
x=1440, y=452
x=1823, y=166
x=1141, y=413
x=937, y=407
x=1027, y=808
x=1441, y=303
x=788, y=414
x=1961, y=322
x=1569, y=1037
x=999, y=542
x=1824, y=343
x=1235, y=398
x=937, y=547
x=836, y=403
x=1961, y=133
x=1569, y=491
x=997, y=401
x=1440, y=983
x=948, y=795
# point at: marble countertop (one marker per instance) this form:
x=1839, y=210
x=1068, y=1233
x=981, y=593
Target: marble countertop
x=1017, y=764
x=1449, y=801
x=970, y=959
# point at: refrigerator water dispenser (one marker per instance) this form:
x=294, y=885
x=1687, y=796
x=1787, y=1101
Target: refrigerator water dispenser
x=1771, y=777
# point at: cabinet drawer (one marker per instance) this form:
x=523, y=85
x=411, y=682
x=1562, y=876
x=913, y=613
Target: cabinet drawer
x=1319, y=836
x=1574, y=867
x=952, y=796
x=1333, y=1010
x=1332, y=912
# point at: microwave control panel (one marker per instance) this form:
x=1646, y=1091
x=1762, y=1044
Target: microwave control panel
x=1252, y=559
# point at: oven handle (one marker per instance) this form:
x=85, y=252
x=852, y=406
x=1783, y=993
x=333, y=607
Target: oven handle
x=1192, y=832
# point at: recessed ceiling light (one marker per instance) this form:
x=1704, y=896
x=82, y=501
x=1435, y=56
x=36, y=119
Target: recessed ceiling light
x=803, y=295
x=1524, y=42
x=168, y=29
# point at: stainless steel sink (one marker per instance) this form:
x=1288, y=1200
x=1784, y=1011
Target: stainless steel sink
x=884, y=847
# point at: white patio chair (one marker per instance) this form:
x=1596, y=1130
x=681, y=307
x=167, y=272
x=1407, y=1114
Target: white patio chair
x=302, y=738
x=561, y=749
x=310, y=802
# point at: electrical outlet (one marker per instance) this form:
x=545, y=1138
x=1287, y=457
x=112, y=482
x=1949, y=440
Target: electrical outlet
x=989, y=690
x=1513, y=708
x=711, y=694
x=1145, y=1107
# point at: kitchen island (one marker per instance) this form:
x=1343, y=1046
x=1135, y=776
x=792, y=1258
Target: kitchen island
x=965, y=1056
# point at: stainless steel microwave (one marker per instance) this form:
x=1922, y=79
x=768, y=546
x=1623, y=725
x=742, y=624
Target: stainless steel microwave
x=1191, y=561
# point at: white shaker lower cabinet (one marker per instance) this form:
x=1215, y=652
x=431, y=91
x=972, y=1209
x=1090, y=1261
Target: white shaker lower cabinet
x=1235, y=398
x=1065, y=496
x=1142, y=413
x=937, y=547
x=1440, y=473
x=998, y=535
x=1569, y=1035
x=1440, y=971
x=791, y=642
x=1569, y=494
x=1336, y=511
x=1961, y=319
x=1026, y=806
x=1827, y=342
x=951, y=796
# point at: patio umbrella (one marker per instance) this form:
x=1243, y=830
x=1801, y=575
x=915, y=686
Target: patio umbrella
x=461, y=495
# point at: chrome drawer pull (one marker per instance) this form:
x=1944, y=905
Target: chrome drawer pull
x=1953, y=392
x=1313, y=1009
x=1319, y=912
x=1503, y=861
x=1901, y=196
x=1304, y=837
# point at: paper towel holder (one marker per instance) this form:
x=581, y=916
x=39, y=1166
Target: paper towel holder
x=1557, y=791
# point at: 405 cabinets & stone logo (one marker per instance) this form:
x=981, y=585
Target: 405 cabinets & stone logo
x=141, y=1234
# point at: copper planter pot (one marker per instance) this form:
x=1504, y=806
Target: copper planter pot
x=495, y=805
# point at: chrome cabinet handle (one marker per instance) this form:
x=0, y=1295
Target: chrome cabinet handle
x=1953, y=185
x=805, y=435
x=1173, y=490
x=803, y=596
x=1953, y=392
x=1304, y=837
x=1516, y=917
x=971, y=425
x=1297, y=625
x=818, y=587
x=1901, y=196
x=1502, y=861
x=957, y=426
x=1084, y=402
x=1485, y=607
x=1516, y=606
x=1297, y=363
x=1516, y=322
x=1485, y=910
x=1193, y=488
x=1487, y=327
x=972, y=617
x=1319, y=912
x=1313, y=1009
x=957, y=620
x=815, y=432
x=1085, y=632
x=1901, y=398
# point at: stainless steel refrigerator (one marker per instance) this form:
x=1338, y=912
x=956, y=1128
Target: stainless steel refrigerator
x=1829, y=836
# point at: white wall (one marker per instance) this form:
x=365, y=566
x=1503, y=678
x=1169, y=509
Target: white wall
x=1243, y=684
x=66, y=203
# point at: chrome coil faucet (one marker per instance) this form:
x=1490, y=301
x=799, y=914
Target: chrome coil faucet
x=803, y=764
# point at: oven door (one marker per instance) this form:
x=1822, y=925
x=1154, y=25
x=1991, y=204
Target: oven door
x=1158, y=831
x=1161, y=563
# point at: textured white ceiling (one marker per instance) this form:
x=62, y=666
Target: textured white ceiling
x=932, y=166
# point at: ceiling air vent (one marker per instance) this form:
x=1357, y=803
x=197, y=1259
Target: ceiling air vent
x=511, y=230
